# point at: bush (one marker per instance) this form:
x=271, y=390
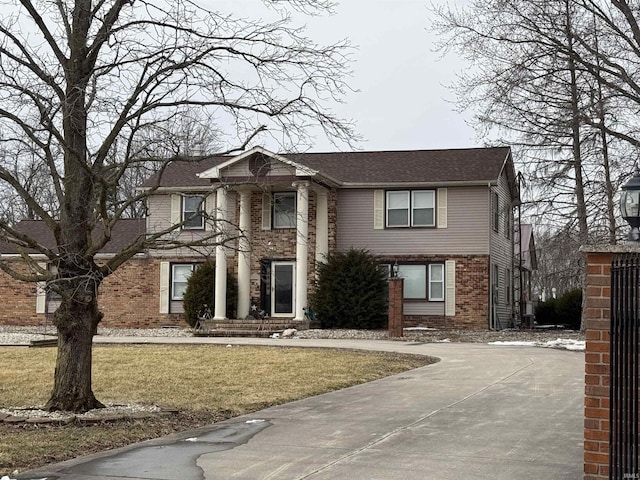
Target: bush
x=200, y=292
x=545, y=312
x=351, y=291
x=569, y=308
x=565, y=310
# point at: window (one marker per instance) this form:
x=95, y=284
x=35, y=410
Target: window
x=495, y=283
x=507, y=282
x=508, y=223
x=415, y=280
x=411, y=208
x=284, y=210
x=423, y=208
x=495, y=210
x=180, y=274
x=436, y=282
x=193, y=212
x=423, y=281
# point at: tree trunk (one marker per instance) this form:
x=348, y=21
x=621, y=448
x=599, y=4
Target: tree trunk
x=77, y=321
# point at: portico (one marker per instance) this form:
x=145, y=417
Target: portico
x=260, y=242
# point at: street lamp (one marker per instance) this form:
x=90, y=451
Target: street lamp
x=630, y=206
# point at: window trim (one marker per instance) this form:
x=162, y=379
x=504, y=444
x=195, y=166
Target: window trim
x=274, y=225
x=410, y=201
x=192, y=215
x=427, y=276
x=172, y=296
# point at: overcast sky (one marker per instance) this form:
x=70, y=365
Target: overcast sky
x=401, y=100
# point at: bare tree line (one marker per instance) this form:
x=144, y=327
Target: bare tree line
x=560, y=81
x=557, y=79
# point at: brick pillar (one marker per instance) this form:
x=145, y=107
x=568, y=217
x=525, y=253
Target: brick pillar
x=597, y=319
x=396, y=312
x=596, y=401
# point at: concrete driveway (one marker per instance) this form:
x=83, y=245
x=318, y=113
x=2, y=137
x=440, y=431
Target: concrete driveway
x=482, y=412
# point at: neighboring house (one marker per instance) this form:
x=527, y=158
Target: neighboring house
x=445, y=217
x=526, y=262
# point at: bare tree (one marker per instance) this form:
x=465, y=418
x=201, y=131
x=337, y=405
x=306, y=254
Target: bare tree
x=84, y=83
x=536, y=85
x=558, y=263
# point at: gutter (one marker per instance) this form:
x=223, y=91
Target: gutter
x=465, y=183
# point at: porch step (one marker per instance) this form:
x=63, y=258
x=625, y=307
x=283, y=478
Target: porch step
x=234, y=333
x=248, y=328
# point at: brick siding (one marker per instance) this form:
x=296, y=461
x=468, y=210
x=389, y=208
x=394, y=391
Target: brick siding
x=472, y=292
x=129, y=298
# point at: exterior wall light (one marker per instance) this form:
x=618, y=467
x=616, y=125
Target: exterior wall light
x=394, y=270
x=630, y=206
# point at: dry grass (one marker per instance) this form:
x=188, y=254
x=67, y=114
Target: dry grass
x=207, y=383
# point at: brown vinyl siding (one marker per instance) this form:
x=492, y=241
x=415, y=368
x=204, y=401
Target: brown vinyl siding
x=466, y=212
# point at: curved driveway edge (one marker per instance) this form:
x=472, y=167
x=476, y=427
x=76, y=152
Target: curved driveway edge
x=482, y=412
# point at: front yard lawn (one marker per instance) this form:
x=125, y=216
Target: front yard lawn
x=206, y=383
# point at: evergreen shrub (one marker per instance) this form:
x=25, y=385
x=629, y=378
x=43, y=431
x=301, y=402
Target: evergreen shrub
x=564, y=310
x=351, y=291
x=200, y=292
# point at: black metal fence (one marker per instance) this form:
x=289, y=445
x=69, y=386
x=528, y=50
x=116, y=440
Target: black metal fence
x=625, y=327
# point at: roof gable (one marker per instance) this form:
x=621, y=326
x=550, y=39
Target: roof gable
x=217, y=172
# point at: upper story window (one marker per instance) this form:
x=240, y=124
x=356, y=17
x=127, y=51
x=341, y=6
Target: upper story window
x=411, y=208
x=284, y=210
x=193, y=212
x=495, y=211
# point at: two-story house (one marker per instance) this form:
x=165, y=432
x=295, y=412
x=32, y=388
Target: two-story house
x=443, y=218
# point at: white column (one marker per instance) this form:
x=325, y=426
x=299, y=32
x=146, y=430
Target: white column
x=302, y=247
x=220, y=311
x=244, y=255
x=322, y=225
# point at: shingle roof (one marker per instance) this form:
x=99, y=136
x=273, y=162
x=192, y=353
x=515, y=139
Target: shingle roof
x=386, y=167
x=433, y=166
x=183, y=173
x=125, y=232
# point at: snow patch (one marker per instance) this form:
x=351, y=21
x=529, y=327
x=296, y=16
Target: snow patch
x=567, y=344
x=8, y=478
x=192, y=439
x=257, y=420
x=561, y=343
x=516, y=343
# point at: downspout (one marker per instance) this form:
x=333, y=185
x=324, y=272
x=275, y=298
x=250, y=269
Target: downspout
x=490, y=267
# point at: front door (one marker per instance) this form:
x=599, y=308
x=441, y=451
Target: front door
x=282, y=289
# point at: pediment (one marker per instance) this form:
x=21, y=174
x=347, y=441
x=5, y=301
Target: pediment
x=258, y=163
